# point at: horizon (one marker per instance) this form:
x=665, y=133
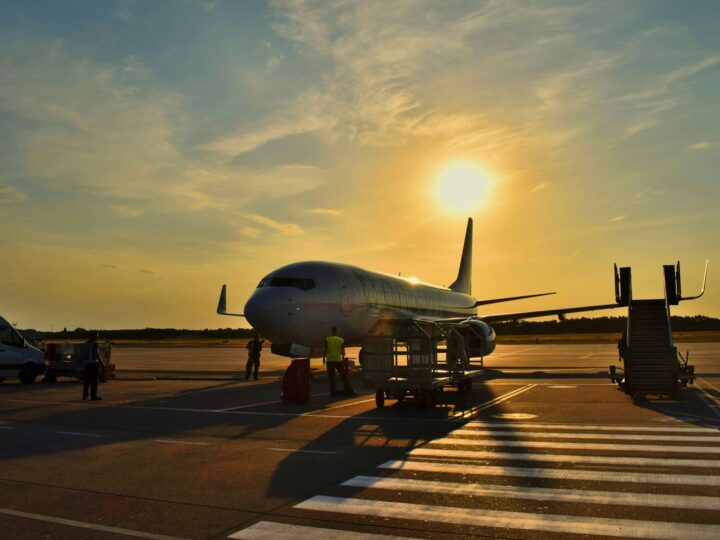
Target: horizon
x=153, y=151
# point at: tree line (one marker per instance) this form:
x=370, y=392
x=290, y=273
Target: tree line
x=580, y=325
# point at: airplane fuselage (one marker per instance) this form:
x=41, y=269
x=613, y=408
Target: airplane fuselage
x=299, y=303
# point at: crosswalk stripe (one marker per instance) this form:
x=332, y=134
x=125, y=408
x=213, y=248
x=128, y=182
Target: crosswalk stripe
x=564, y=458
x=595, y=427
x=541, y=494
x=582, y=446
x=270, y=530
x=514, y=520
x=557, y=474
x=603, y=436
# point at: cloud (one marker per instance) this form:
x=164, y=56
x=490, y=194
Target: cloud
x=250, y=232
x=111, y=266
x=326, y=211
x=539, y=187
x=617, y=218
x=575, y=253
x=146, y=271
x=701, y=146
x=123, y=9
x=9, y=195
x=288, y=229
x=126, y=211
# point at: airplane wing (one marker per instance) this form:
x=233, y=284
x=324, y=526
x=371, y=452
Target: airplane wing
x=221, y=309
x=509, y=299
x=560, y=313
x=506, y=317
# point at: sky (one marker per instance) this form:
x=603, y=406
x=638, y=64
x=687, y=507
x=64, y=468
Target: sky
x=152, y=151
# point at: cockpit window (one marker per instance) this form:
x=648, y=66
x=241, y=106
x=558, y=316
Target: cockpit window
x=304, y=284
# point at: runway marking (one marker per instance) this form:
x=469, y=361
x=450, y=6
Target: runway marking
x=168, y=441
x=533, y=425
x=710, y=400
x=602, y=436
x=535, y=493
x=555, y=474
x=564, y=458
x=273, y=402
x=472, y=411
x=83, y=525
x=267, y=530
x=303, y=451
x=562, y=386
x=581, y=446
x=514, y=416
x=78, y=434
x=314, y=413
x=710, y=385
x=514, y=520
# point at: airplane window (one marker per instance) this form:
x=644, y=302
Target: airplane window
x=304, y=284
x=263, y=283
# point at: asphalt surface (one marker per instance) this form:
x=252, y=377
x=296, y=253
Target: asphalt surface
x=179, y=447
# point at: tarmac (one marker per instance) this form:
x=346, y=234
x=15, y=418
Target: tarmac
x=179, y=447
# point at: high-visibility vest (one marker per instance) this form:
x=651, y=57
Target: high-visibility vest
x=334, y=348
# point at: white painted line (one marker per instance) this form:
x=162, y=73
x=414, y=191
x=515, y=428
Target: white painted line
x=514, y=520
x=6, y=427
x=555, y=474
x=712, y=403
x=267, y=530
x=303, y=451
x=710, y=385
x=168, y=441
x=610, y=427
x=351, y=403
x=273, y=402
x=78, y=434
x=472, y=411
x=561, y=386
x=601, y=436
x=582, y=446
x=564, y=458
x=92, y=526
x=539, y=494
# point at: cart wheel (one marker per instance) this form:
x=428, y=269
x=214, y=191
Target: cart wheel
x=379, y=398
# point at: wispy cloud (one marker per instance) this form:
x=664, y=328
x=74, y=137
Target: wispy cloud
x=10, y=195
x=147, y=271
x=617, y=218
x=539, y=187
x=326, y=211
x=126, y=211
x=123, y=9
x=250, y=232
x=288, y=229
x=575, y=253
x=701, y=146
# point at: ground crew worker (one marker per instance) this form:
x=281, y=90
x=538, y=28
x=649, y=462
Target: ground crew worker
x=333, y=359
x=254, y=347
x=92, y=367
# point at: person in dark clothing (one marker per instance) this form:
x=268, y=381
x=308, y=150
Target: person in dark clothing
x=254, y=347
x=92, y=368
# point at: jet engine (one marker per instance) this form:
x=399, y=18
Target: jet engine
x=481, y=339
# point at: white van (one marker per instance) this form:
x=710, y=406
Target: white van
x=17, y=357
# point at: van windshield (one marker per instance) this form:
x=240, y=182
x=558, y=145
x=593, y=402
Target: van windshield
x=8, y=336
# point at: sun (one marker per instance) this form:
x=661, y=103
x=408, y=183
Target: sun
x=463, y=186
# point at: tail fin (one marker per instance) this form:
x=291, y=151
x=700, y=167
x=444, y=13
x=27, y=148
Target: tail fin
x=463, y=283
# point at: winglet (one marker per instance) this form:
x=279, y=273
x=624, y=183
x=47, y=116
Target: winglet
x=222, y=303
x=702, y=291
x=463, y=283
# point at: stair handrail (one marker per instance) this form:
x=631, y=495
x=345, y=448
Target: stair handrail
x=667, y=318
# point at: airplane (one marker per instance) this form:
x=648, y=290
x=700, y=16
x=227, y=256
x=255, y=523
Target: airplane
x=295, y=305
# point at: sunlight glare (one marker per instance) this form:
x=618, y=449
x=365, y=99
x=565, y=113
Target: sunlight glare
x=463, y=186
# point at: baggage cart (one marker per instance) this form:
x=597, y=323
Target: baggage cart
x=68, y=360
x=404, y=358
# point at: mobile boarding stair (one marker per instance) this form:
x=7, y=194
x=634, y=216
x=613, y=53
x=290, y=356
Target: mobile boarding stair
x=651, y=362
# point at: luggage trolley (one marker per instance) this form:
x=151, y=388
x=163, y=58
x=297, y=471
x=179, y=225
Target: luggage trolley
x=403, y=358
